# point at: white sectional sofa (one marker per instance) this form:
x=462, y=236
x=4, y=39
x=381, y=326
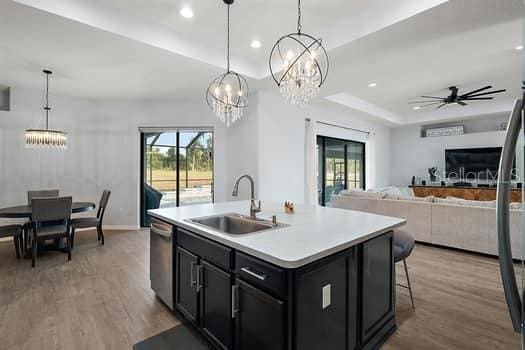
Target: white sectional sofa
x=463, y=224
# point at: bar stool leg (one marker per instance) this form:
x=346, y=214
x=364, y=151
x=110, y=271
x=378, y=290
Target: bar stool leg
x=409, y=285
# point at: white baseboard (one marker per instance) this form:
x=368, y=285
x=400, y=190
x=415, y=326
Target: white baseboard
x=114, y=228
x=121, y=227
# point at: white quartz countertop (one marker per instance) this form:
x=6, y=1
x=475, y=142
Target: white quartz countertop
x=314, y=232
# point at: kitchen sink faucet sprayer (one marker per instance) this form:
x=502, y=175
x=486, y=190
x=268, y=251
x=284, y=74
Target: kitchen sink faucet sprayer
x=255, y=206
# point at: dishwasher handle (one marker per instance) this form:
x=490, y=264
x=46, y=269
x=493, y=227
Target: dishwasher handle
x=165, y=231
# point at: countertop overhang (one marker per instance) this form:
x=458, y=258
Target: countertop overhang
x=314, y=233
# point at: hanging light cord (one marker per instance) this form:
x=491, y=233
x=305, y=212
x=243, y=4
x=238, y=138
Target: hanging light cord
x=228, y=41
x=299, y=25
x=47, y=108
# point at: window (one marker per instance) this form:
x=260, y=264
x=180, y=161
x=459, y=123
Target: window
x=177, y=169
x=341, y=165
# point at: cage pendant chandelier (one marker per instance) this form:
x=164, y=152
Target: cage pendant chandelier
x=227, y=95
x=46, y=138
x=299, y=64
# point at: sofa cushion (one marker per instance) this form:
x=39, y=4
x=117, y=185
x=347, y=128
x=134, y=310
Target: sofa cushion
x=515, y=205
x=391, y=190
x=428, y=199
x=361, y=193
x=471, y=203
x=392, y=196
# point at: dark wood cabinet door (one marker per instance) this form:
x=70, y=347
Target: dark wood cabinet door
x=377, y=286
x=216, y=305
x=187, y=300
x=260, y=320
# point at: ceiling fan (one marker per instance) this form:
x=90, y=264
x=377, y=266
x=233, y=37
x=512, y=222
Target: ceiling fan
x=455, y=97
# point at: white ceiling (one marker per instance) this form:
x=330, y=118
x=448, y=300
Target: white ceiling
x=145, y=49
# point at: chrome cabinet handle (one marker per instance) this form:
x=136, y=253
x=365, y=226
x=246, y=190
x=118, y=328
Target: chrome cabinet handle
x=193, y=282
x=247, y=270
x=160, y=232
x=199, y=278
x=235, y=305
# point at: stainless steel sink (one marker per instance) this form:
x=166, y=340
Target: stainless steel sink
x=235, y=224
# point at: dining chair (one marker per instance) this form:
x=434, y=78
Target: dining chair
x=27, y=225
x=14, y=231
x=51, y=219
x=94, y=221
x=41, y=194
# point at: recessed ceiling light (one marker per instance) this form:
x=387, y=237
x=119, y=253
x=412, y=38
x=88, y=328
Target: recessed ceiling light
x=417, y=108
x=519, y=47
x=186, y=12
x=372, y=85
x=255, y=44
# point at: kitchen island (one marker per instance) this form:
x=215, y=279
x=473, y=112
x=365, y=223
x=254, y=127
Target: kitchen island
x=322, y=278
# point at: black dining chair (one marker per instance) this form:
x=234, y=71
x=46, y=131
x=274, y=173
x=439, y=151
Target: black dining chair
x=51, y=219
x=41, y=194
x=14, y=231
x=27, y=226
x=94, y=221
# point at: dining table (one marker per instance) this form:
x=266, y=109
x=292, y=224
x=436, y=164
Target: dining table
x=25, y=211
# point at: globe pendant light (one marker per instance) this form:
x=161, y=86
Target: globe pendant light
x=46, y=138
x=227, y=94
x=299, y=64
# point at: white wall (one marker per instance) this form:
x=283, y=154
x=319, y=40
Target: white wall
x=412, y=155
x=281, y=143
x=103, y=149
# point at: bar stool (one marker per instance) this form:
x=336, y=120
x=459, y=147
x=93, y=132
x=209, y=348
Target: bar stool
x=403, y=246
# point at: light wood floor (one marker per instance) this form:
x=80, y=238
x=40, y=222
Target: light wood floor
x=102, y=300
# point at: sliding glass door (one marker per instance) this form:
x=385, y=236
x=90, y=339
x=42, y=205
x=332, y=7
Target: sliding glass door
x=341, y=165
x=176, y=169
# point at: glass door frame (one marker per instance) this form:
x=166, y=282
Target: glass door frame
x=322, y=162
x=143, y=134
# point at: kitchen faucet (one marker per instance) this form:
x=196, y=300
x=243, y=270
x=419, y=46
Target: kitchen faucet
x=255, y=205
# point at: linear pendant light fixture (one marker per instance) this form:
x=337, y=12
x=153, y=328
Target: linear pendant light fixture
x=299, y=64
x=46, y=138
x=227, y=95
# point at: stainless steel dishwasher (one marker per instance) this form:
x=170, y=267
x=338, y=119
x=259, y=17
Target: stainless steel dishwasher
x=161, y=260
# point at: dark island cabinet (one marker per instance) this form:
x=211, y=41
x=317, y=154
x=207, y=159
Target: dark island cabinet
x=377, y=290
x=322, y=296
x=186, y=295
x=239, y=302
x=203, y=295
x=260, y=319
x=216, y=305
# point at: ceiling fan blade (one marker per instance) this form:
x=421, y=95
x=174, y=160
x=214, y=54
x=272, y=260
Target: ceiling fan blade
x=440, y=106
x=477, y=98
x=439, y=98
x=485, y=93
x=462, y=103
x=423, y=101
x=478, y=90
x=430, y=104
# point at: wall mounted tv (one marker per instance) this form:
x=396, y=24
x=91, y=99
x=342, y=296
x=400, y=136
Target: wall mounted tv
x=472, y=163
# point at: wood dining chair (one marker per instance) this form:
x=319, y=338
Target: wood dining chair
x=94, y=221
x=14, y=231
x=51, y=219
x=27, y=226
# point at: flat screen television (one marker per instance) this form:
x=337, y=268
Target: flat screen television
x=472, y=163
